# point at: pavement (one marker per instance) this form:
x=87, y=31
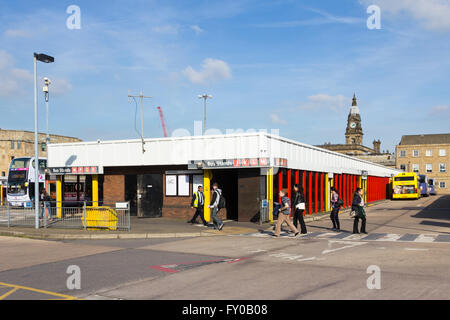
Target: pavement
x=144, y=228
x=407, y=244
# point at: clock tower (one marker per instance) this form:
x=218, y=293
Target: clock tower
x=354, y=133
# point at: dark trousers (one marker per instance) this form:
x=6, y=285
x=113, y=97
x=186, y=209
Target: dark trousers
x=334, y=216
x=356, y=222
x=199, y=212
x=298, y=216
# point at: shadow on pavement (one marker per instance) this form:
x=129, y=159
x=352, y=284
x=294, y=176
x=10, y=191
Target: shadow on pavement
x=439, y=209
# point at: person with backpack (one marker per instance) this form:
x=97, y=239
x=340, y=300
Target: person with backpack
x=336, y=206
x=358, y=207
x=299, y=207
x=198, y=201
x=217, y=203
x=283, y=216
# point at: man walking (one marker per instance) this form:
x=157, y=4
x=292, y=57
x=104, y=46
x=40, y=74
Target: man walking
x=216, y=198
x=198, y=201
x=283, y=216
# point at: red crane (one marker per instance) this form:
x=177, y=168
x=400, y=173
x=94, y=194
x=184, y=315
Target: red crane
x=163, y=124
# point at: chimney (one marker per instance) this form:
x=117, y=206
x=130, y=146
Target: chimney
x=376, y=146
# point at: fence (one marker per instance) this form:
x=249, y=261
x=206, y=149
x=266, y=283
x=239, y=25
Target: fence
x=75, y=215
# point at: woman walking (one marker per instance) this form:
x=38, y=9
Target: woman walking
x=299, y=207
x=358, y=207
x=334, y=216
x=283, y=216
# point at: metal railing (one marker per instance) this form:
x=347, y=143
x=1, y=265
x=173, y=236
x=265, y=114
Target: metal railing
x=75, y=215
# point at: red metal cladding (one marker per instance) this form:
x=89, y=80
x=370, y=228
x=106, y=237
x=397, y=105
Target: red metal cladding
x=316, y=193
x=322, y=191
x=289, y=182
x=304, y=187
x=310, y=192
x=296, y=177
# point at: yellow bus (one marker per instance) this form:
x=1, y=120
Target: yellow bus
x=405, y=186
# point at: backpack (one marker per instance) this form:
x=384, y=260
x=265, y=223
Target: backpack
x=222, y=203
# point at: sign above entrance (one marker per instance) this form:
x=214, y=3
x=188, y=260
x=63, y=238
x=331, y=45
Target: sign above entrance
x=237, y=163
x=75, y=170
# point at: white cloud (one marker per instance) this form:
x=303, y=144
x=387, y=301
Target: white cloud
x=166, y=29
x=17, y=33
x=431, y=14
x=212, y=70
x=440, y=110
x=16, y=81
x=197, y=29
x=277, y=120
x=325, y=101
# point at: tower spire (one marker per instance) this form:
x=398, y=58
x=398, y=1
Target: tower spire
x=354, y=100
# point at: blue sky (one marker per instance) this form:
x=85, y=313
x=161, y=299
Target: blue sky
x=287, y=65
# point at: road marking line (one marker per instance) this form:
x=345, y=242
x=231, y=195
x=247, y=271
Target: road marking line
x=390, y=237
x=348, y=245
x=67, y=297
x=416, y=249
x=425, y=238
x=8, y=293
x=306, y=259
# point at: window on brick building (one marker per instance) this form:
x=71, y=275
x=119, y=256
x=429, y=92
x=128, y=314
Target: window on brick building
x=429, y=167
x=415, y=167
x=402, y=153
x=442, y=167
x=442, y=153
x=428, y=153
x=442, y=184
x=12, y=144
x=415, y=153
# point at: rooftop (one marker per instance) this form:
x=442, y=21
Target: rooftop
x=443, y=138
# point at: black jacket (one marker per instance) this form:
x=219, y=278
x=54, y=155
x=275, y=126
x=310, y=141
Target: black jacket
x=356, y=200
x=298, y=198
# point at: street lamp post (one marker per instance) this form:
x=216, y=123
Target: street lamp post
x=47, y=83
x=204, y=97
x=46, y=59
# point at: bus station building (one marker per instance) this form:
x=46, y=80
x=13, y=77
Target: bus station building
x=250, y=168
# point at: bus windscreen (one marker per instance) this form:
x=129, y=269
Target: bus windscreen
x=410, y=178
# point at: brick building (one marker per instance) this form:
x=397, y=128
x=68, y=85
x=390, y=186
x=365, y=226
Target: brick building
x=426, y=154
x=20, y=143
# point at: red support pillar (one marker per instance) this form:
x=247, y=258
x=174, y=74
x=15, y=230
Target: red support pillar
x=322, y=192
x=310, y=192
x=296, y=177
x=304, y=187
x=316, y=193
x=346, y=189
x=289, y=183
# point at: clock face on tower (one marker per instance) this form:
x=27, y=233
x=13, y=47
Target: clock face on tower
x=353, y=125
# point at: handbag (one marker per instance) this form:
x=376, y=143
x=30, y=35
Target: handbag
x=340, y=202
x=301, y=206
x=352, y=214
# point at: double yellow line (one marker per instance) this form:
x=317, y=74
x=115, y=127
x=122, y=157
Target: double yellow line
x=15, y=287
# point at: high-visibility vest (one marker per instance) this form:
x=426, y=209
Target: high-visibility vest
x=196, y=200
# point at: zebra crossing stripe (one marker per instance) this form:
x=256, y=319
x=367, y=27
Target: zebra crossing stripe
x=442, y=238
x=379, y=237
x=425, y=238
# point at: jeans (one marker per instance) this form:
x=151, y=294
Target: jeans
x=44, y=208
x=216, y=221
x=298, y=216
x=334, y=216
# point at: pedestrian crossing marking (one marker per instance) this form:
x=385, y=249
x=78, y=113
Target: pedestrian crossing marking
x=347, y=236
